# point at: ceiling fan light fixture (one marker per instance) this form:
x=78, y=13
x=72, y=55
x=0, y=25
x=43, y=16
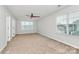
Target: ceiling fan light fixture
x=32, y=16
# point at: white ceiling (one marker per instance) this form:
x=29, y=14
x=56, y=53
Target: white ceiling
x=20, y=11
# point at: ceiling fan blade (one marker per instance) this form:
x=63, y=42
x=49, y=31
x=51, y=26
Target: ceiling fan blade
x=36, y=16
x=27, y=15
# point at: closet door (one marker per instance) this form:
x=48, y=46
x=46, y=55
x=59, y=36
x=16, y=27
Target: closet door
x=8, y=28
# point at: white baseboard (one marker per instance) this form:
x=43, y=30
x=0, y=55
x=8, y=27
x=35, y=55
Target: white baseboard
x=3, y=47
x=59, y=40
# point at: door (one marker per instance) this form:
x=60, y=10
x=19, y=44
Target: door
x=8, y=28
x=13, y=27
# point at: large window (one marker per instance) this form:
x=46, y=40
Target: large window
x=62, y=23
x=26, y=25
x=68, y=23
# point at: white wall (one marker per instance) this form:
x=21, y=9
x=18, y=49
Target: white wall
x=11, y=26
x=2, y=27
x=19, y=29
x=47, y=27
x=3, y=14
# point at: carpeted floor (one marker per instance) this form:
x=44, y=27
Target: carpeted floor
x=36, y=44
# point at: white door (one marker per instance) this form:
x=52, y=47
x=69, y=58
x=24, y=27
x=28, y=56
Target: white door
x=13, y=27
x=8, y=28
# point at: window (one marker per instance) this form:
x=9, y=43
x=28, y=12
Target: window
x=68, y=23
x=26, y=25
x=62, y=23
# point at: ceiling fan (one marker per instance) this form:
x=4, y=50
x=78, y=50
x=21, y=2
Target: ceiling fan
x=32, y=16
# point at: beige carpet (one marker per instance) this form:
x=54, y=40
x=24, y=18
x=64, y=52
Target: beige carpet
x=36, y=44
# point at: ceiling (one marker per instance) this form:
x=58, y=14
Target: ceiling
x=20, y=11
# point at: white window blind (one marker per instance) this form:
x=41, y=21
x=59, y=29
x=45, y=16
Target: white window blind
x=26, y=25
